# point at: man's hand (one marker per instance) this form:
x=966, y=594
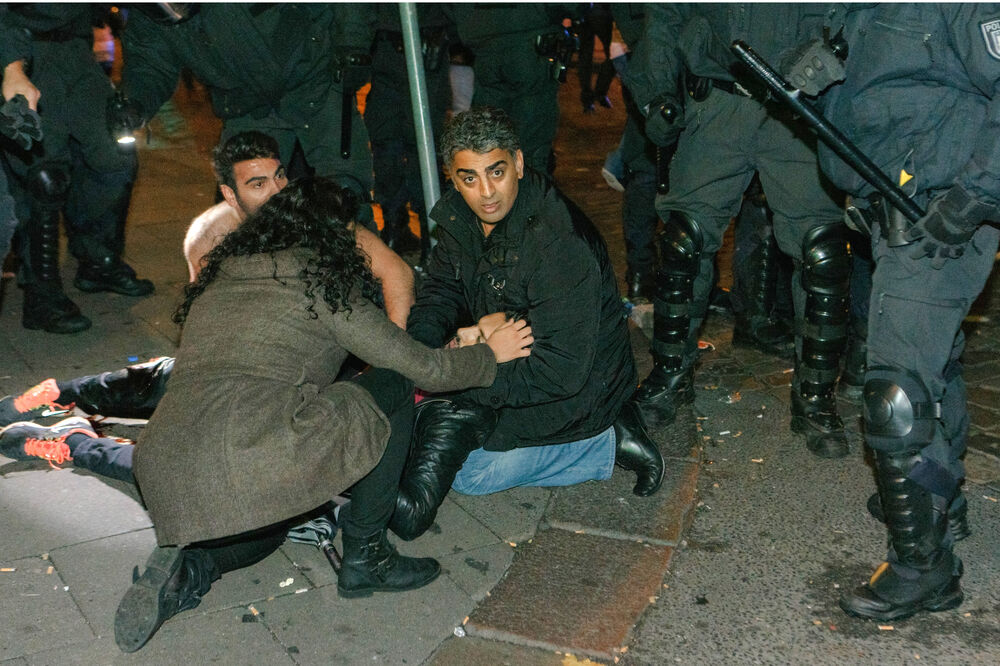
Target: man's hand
x=124, y=115
x=663, y=124
x=20, y=123
x=16, y=82
x=951, y=220
x=491, y=322
x=511, y=340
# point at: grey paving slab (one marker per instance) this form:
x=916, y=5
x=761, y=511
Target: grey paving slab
x=37, y=612
x=469, y=650
x=573, y=592
x=511, y=515
x=454, y=531
x=48, y=509
x=398, y=628
x=477, y=571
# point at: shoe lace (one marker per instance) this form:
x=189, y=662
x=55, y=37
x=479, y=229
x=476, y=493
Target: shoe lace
x=43, y=394
x=54, y=450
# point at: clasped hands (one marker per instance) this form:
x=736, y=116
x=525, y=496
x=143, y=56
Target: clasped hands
x=508, y=338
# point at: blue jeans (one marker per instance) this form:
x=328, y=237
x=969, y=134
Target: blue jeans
x=486, y=472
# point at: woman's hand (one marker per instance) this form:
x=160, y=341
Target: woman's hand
x=491, y=322
x=511, y=340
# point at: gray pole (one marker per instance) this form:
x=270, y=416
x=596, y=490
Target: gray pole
x=421, y=113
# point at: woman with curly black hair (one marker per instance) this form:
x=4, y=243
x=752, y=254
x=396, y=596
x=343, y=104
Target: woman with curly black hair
x=254, y=430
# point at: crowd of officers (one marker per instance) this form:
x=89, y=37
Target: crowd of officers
x=914, y=85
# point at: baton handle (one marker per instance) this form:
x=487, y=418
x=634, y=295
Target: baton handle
x=346, y=107
x=827, y=132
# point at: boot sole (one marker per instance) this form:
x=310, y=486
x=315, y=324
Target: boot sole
x=141, y=610
x=951, y=598
x=800, y=426
x=96, y=287
x=367, y=591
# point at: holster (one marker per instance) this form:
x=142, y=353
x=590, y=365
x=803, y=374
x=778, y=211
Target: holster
x=892, y=224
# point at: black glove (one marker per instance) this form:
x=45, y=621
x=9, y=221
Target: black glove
x=19, y=123
x=353, y=70
x=663, y=124
x=813, y=67
x=951, y=220
x=125, y=116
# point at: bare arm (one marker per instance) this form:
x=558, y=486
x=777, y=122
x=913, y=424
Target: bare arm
x=395, y=274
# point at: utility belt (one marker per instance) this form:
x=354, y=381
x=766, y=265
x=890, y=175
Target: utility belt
x=698, y=87
x=892, y=224
x=57, y=36
x=558, y=48
x=433, y=44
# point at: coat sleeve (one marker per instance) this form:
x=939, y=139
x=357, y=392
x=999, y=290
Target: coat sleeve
x=368, y=334
x=151, y=68
x=440, y=306
x=975, y=33
x=656, y=63
x=15, y=41
x=564, y=312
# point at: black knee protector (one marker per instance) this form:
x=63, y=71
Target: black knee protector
x=826, y=271
x=49, y=185
x=899, y=412
x=681, y=243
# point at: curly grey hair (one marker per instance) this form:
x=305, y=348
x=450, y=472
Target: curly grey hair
x=480, y=130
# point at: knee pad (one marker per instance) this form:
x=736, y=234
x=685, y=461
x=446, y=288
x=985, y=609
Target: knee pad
x=899, y=412
x=49, y=185
x=681, y=243
x=826, y=261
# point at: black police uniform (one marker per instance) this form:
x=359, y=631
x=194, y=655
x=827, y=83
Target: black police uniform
x=920, y=97
x=729, y=134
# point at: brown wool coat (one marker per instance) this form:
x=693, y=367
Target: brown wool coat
x=253, y=429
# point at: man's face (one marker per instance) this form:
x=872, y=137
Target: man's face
x=257, y=180
x=487, y=182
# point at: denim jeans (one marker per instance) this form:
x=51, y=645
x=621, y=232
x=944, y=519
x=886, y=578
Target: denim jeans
x=486, y=472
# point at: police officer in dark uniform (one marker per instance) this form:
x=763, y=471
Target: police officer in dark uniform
x=521, y=54
x=729, y=132
x=921, y=98
x=77, y=169
x=389, y=115
x=287, y=70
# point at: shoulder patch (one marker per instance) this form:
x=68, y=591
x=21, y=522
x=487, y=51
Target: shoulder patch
x=991, y=33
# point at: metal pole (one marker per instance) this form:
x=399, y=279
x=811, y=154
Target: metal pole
x=829, y=134
x=421, y=109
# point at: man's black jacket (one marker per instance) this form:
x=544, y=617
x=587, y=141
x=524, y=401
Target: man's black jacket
x=546, y=260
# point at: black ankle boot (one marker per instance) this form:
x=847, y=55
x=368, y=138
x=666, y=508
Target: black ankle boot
x=816, y=417
x=662, y=392
x=110, y=274
x=636, y=451
x=371, y=564
x=640, y=285
x=767, y=335
x=444, y=433
x=958, y=518
x=47, y=308
x=175, y=580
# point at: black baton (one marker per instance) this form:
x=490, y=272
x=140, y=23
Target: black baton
x=346, y=106
x=829, y=134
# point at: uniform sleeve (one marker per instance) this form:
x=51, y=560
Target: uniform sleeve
x=975, y=34
x=440, y=307
x=564, y=311
x=656, y=64
x=151, y=69
x=368, y=334
x=353, y=26
x=15, y=41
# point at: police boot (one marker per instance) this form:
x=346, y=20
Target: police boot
x=640, y=285
x=46, y=306
x=852, y=376
x=371, y=564
x=444, y=433
x=921, y=573
x=131, y=392
x=824, y=274
x=110, y=273
x=175, y=580
x=636, y=451
x=671, y=382
x=958, y=518
x=756, y=327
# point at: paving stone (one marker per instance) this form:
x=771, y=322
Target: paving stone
x=512, y=515
x=679, y=439
x=611, y=509
x=979, y=367
x=37, y=612
x=477, y=571
x=454, y=530
x=572, y=592
x=983, y=418
x=981, y=467
x=985, y=443
x=470, y=650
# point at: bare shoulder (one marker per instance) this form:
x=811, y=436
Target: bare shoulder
x=205, y=232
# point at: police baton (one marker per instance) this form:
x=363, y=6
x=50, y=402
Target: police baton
x=346, y=107
x=829, y=134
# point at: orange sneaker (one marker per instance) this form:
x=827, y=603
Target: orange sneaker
x=37, y=402
x=25, y=440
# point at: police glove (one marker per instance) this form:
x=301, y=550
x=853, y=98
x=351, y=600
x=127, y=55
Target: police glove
x=951, y=220
x=19, y=123
x=353, y=70
x=813, y=67
x=663, y=122
x=125, y=116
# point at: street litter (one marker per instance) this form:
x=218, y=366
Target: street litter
x=286, y=582
x=757, y=460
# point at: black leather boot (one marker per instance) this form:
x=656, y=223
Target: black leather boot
x=852, y=376
x=444, y=433
x=46, y=306
x=640, y=285
x=131, y=392
x=921, y=573
x=636, y=451
x=816, y=417
x=958, y=518
x=662, y=392
x=371, y=564
x=175, y=580
x=110, y=273
x=765, y=334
